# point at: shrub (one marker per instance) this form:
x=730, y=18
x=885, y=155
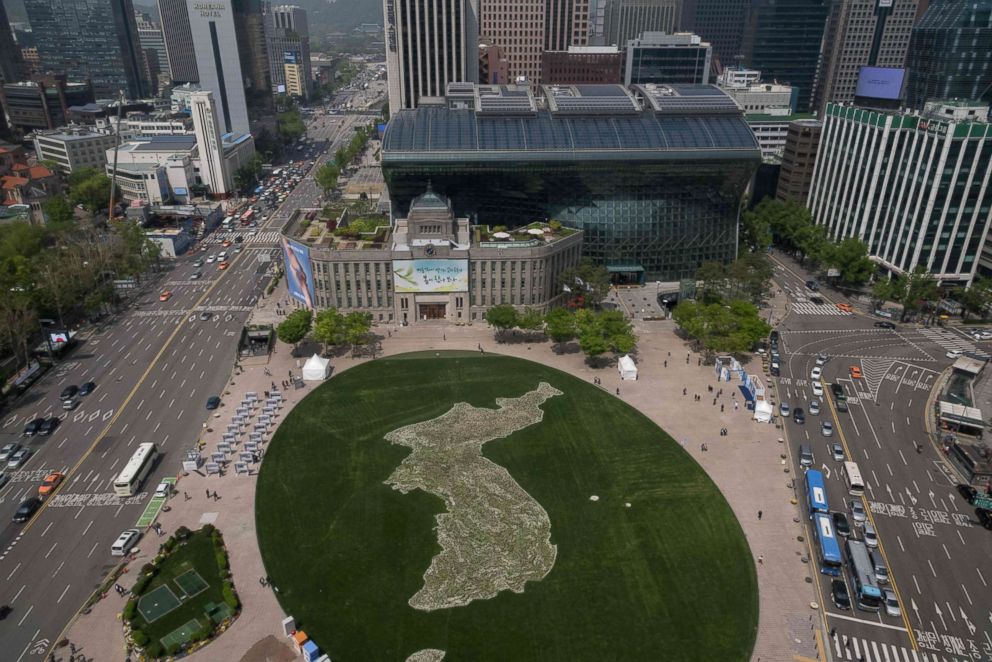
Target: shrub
x=230, y=597
x=148, y=569
x=130, y=609
x=139, y=637
x=208, y=529
x=182, y=533
x=140, y=585
x=154, y=649
x=221, y=557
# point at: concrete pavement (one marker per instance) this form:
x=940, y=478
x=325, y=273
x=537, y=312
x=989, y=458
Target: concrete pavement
x=750, y=457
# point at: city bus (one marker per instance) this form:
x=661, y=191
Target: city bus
x=862, y=572
x=852, y=476
x=247, y=217
x=816, y=493
x=827, y=546
x=136, y=470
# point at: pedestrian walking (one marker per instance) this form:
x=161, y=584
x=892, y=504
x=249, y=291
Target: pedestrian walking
x=699, y=361
x=618, y=390
x=761, y=559
x=185, y=496
x=669, y=355
x=735, y=405
x=687, y=360
x=721, y=407
x=684, y=441
x=208, y=494
x=683, y=391
x=444, y=336
x=714, y=402
x=833, y=632
x=759, y=514
x=666, y=363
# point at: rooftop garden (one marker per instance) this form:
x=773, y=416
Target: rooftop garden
x=548, y=232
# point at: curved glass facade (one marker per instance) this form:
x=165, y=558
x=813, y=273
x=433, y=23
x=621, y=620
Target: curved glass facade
x=663, y=216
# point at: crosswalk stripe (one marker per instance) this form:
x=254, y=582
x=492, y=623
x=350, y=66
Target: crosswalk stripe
x=884, y=654
x=806, y=308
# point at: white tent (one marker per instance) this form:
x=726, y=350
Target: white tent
x=763, y=411
x=627, y=368
x=316, y=369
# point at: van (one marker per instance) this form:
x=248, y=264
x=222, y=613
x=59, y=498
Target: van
x=125, y=541
x=878, y=564
x=805, y=455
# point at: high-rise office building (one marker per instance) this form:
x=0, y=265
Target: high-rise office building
x=566, y=23
x=178, y=39
x=218, y=63
x=720, y=22
x=518, y=30
x=287, y=35
x=913, y=186
x=153, y=48
x=950, y=55
x=656, y=57
x=582, y=65
x=208, y=131
x=782, y=40
x=249, y=25
x=798, y=160
x=861, y=33
x=11, y=63
x=95, y=40
x=428, y=45
x=627, y=19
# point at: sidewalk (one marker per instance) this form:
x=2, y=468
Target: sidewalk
x=750, y=456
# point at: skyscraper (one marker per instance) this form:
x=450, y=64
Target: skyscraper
x=249, y=25
x=782, y=40
x=627, y=19
x=861, y=33
x=209, y=140
x=96, y=40
x=178, y=41
x=287, y=35
x=518, y=29
x=11, y=63
x=721, y=23
x=566, y=23
x=150, y=38
x=218, y=63
x=950, y=55
x=429, y=43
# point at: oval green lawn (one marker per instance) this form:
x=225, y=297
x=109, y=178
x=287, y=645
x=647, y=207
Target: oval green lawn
x=669, y=578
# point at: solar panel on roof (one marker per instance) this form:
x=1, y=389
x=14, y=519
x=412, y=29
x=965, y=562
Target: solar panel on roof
x=601, y=90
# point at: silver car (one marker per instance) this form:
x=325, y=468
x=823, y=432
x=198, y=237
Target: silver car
x=891, y=603
x=814, y=408
x=826, y=428
x=858, y=513
x=18, y=459
x=8, y=450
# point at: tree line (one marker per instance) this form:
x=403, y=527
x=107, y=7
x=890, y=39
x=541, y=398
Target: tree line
x=329, y=327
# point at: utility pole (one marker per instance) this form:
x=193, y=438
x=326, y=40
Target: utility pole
x=117, y=144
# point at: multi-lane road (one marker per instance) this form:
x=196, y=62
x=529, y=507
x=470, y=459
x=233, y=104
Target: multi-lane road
x=155, y=365
x=936, y=553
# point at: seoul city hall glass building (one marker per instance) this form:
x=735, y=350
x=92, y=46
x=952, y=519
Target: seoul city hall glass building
x=653, y=174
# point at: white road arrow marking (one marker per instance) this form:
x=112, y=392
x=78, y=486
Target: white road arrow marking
x=912, y=499
x=916, y=609
x=826, y=470
x=940, y=614
x=971, y=626
x=932, y=500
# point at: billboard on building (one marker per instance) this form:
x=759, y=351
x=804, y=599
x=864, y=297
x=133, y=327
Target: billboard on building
x=430, y=275
x=299, y=276
x=880, y=83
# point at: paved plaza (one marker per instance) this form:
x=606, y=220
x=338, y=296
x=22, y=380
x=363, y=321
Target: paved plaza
x=748, y=465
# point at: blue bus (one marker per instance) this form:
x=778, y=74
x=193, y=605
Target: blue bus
x=816, y=493
x=827, y=546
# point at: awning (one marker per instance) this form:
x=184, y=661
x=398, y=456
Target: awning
x=954, y=413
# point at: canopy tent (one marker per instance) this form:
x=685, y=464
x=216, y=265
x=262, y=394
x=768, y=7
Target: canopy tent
x=626, y=367
x=316, y=369
x=763, y=411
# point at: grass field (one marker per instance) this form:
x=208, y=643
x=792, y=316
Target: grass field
x=669, y=578
x=197, y=554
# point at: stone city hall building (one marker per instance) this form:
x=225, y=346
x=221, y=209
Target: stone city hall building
x=433, y=266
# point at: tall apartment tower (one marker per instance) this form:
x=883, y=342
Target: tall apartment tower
x=429, y=43
x=218, y=63
x=861, y=33
x=208, y=132
x=178, y=41
x=950, y=55
x=95, y=40
x=721, y=23
x=627, y=19
x=782, y=40
x=287, y=35
x=11, y=63
x=913, y=186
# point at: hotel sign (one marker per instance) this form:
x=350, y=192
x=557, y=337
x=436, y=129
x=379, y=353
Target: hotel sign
x=210, y=9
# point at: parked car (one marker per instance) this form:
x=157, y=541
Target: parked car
x=87, y=388
x=838, y=591
x=18, y=459
x=31, y=428
x=821, y=359
x=213, y=402
x=125, y=541
x=954, y=354
x=885, y=325
x=871, y=538
x=783, y=409
x=837, y=451
x=827, y=428
x=858, y=512
x=841, y=525
x=8, y=450
x=27, y=508
x=984, y=517
x=968, y=492
x=69, y=392
x=891, y=603
x=818, y=389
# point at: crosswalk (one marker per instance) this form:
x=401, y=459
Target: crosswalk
x=854, y=648
x=950, y=341
x=807, y=308
x=266, y=237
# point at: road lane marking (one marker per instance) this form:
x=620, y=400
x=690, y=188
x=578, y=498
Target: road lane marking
x=58, y=569
x=95, y=545
x=13, y=571
x=25, y=616
x=46, y=529
x=966, y=595
x=63, y=593
x=932, y=571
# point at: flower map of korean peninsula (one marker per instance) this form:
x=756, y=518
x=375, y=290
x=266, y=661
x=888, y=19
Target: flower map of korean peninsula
x=494, y=535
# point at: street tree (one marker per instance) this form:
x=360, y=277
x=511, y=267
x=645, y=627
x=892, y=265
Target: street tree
x=588, y=279
x=602, y=332
x=295, y=327
x=712, y=276
x=357, y=328
x=58, y=213
x=327, y=177
x=850, y=258
x=560, y=326
x=734, y=327
x=328, y=328
x=756, y=231
x=912, y=290
x=502, y=317
x=976, y=299
x=530, y=320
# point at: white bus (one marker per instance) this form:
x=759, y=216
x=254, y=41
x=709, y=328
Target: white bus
x=852, y=476
x=136, y=470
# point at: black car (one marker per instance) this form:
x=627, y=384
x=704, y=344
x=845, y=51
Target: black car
x=812, y=285
x=213, y=402
x=69, y=392
x=984, y=517
x=27, y=509
x=799, y=416
x=32, y=428
x=838, y=591
x=968, y=492
x=87, y=388
x=48, y=427
x=773, y=336
x=841, y=525
x=884, y=325
x=817, y=300
x=239, y=239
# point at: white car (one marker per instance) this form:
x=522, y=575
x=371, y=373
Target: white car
x=871, y=538
x=815, y=373
x=821, y=359
x=891, y=603
x=210, y=259
x=814, y=407
x=818, y=389
x=163, y=490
